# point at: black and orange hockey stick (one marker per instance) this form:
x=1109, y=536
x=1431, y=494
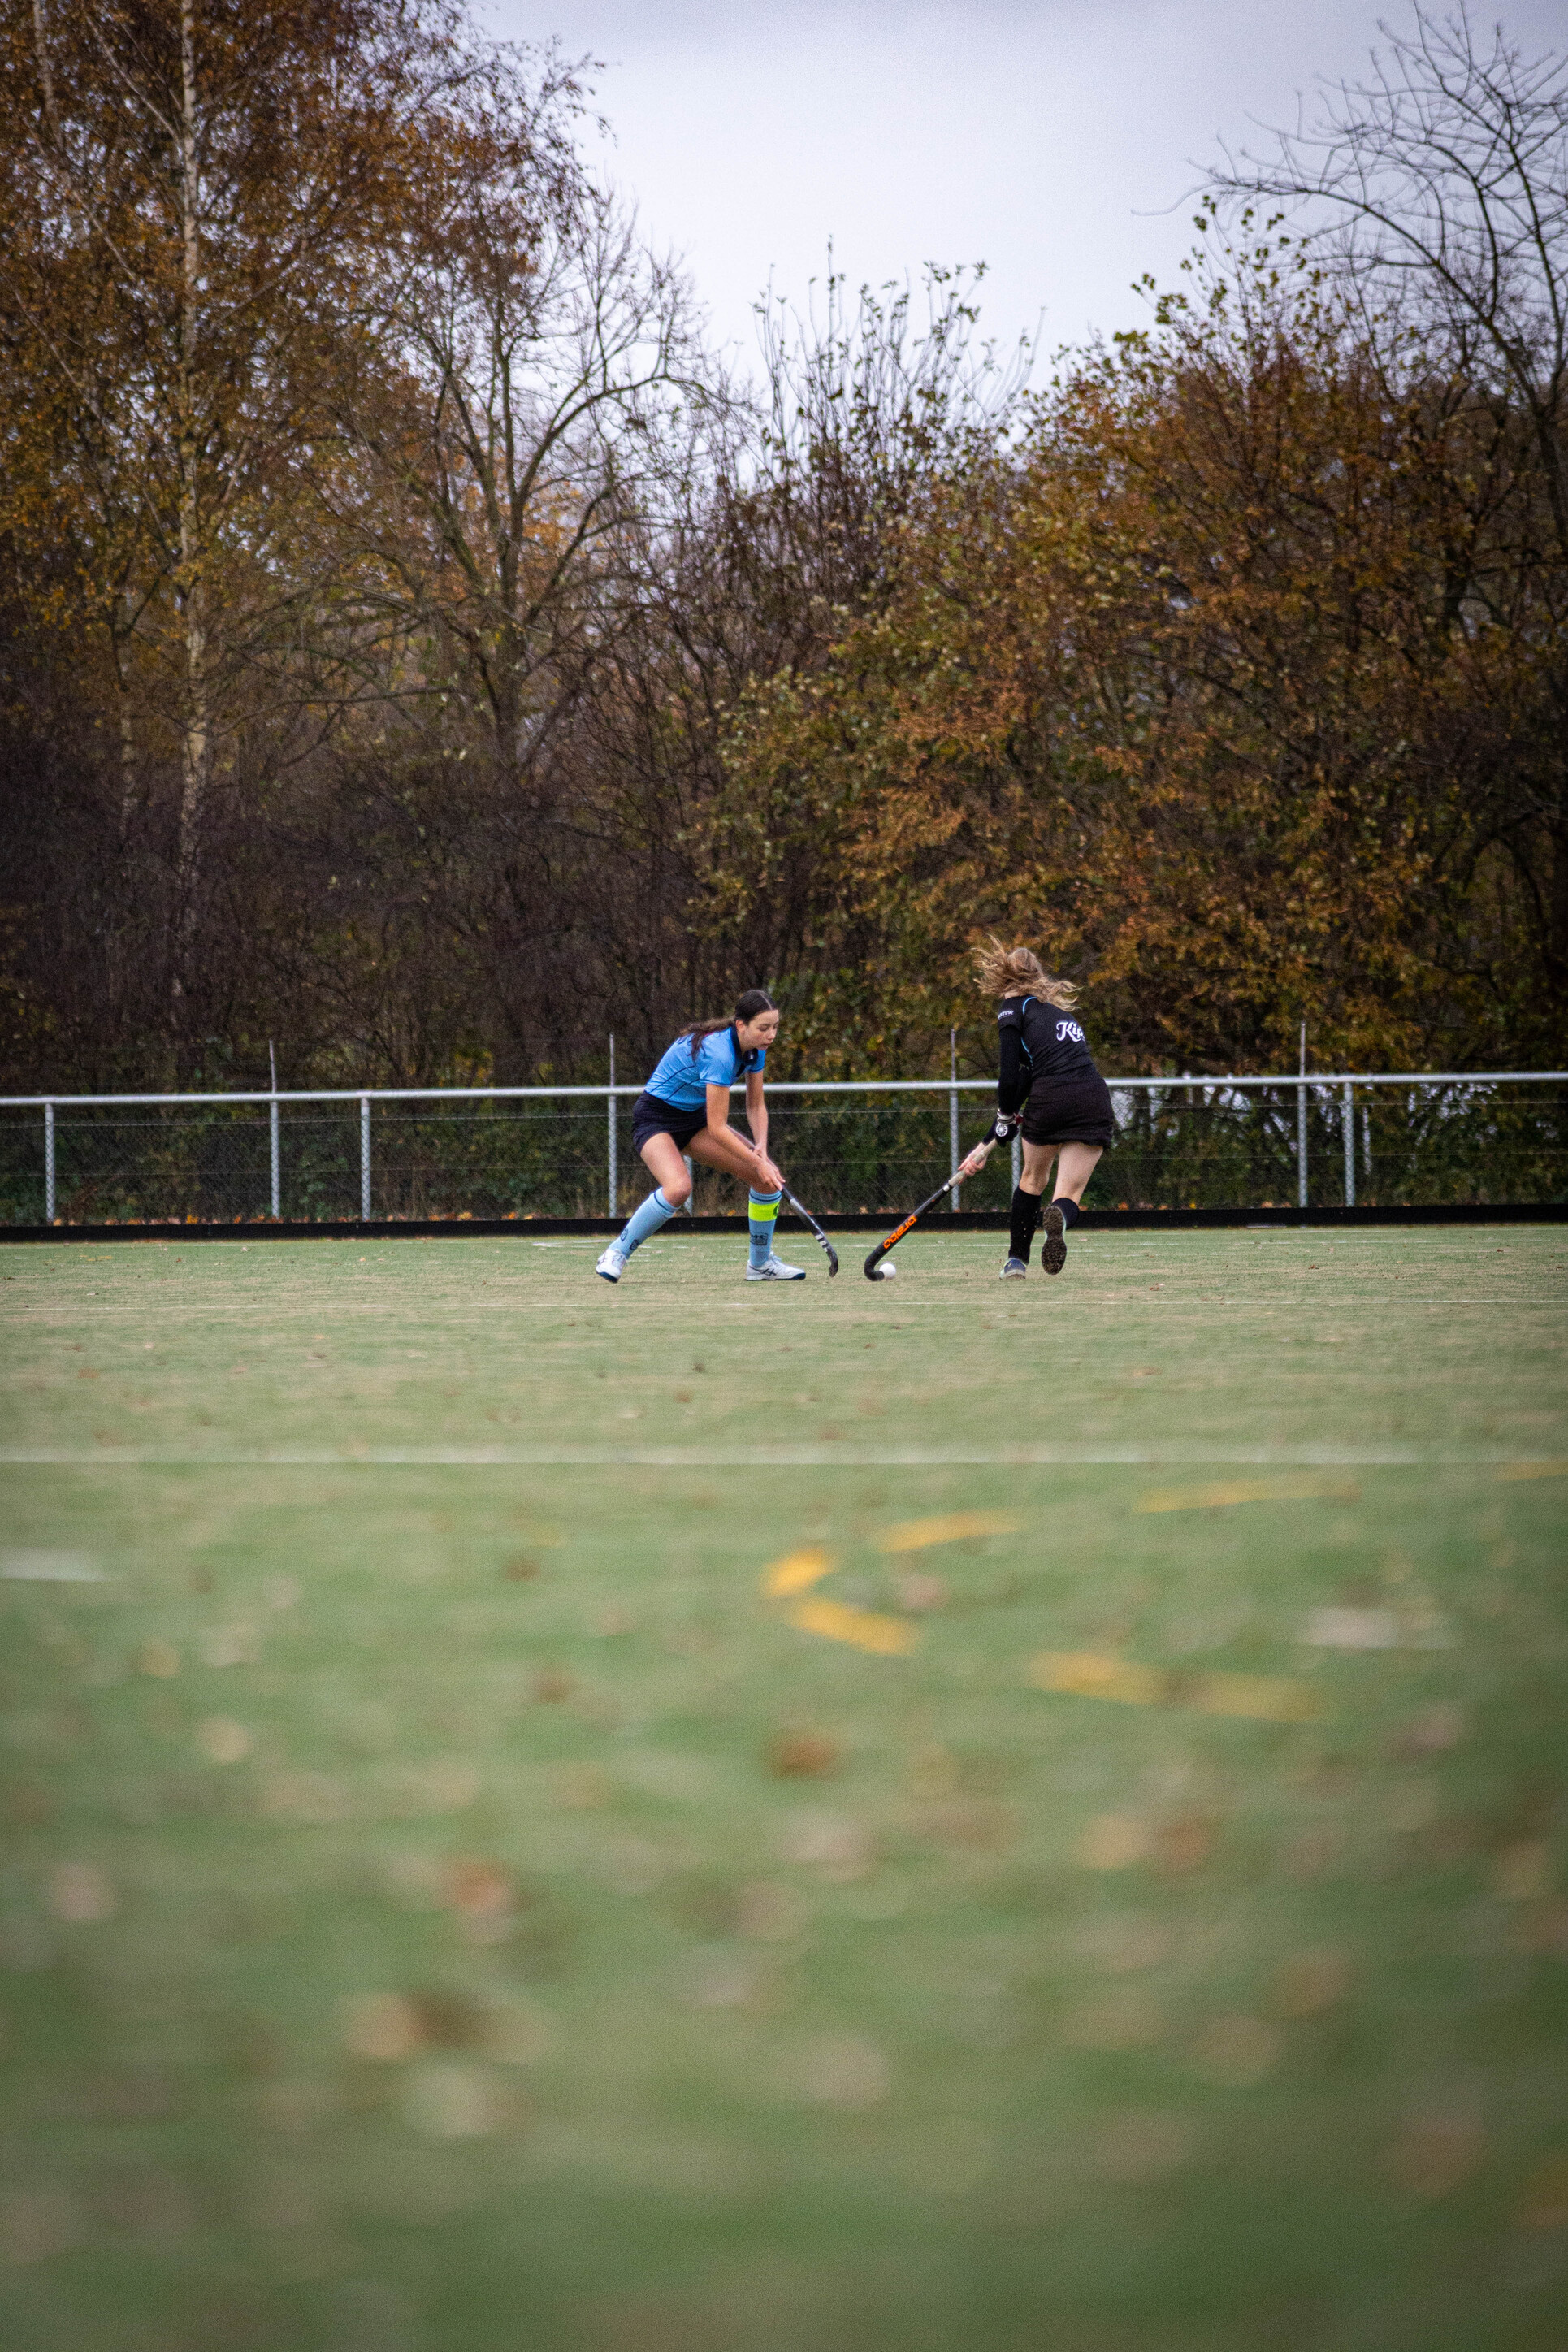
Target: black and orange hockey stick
x=874, y=1262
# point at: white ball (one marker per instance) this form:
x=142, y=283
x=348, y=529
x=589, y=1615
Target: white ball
x=889, y=1266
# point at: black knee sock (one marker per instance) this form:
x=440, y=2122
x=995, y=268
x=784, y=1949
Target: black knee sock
x=1069, y=1209
x=1025, y=1217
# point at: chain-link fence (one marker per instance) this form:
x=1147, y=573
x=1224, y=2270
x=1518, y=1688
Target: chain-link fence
x=1376, y=1140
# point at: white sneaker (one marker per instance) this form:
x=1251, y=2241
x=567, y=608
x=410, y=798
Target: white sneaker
x=774, y=1269
x=1014, y=1270
x=611, y=1262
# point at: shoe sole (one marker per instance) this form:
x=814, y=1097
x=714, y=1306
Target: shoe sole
x=1053, y=1249
x=605, y=1275
x=774, y=1277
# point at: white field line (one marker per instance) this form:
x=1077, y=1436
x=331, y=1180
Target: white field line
x=792, y=1457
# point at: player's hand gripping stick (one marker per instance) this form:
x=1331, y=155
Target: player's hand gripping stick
x=1000, y=1132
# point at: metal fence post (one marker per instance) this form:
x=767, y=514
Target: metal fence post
x=48, y=1163
x=364, y=1159
x=1302, y=1145
x=952, y=1115
x=273, y=1137
x=610, y=1124
x=1347, y=1117
x=1301, y=1127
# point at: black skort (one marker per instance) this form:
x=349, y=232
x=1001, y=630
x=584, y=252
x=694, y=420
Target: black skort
x=652, y=1116
x=1074, y=1109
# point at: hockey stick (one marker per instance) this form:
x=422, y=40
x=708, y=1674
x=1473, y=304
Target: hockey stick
x=873, y=1269
x=806, y=1216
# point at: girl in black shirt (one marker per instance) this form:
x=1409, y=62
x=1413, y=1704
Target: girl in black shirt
x=1047, y=1083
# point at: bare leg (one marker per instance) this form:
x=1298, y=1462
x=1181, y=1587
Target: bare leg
x=720, y=1147
x=1075, y=1164
x=662, y=1158
x=1078, y=1164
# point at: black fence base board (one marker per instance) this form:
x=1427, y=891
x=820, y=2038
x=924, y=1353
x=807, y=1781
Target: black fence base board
x=1094, y=1221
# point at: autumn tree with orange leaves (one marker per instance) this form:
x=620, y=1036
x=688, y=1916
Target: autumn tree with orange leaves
x=416, y=651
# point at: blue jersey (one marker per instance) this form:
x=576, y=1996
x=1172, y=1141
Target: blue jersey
x=683, y=1079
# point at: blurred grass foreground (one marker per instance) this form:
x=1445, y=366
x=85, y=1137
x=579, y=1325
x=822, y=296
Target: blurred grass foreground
x=705, y=1818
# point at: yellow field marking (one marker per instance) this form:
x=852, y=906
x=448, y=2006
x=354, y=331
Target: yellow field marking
x=1511, y=1470
x=887, y=1637
x=1249, y=1490
x=796, y=1573
x=916, y=1534
x=1082, y=1674
x=1085, y=1675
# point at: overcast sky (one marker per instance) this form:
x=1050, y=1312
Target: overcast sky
x=1049, y=139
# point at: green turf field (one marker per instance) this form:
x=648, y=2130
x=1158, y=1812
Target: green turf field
x=708, y=1818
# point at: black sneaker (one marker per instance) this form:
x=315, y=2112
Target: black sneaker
x=1054, y=1248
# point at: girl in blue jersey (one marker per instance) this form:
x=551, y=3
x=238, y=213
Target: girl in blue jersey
x=1047, y=1084
x=685, y=1107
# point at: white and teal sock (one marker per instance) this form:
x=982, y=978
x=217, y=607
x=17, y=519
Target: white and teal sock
x=655, y=1212
x=765, y=1209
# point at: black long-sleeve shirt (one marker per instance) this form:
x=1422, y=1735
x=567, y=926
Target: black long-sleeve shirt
x=1038, y=1041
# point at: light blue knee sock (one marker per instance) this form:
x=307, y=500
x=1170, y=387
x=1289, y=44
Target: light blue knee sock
x=764, y=1207
x=655, y=1212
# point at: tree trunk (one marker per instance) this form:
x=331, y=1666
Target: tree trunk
x=195, y=748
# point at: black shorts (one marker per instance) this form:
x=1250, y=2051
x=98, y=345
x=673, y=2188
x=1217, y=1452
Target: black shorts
x=1070, y=1110
x=652, y=1116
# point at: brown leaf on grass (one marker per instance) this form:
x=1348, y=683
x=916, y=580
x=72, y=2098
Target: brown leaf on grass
x=38, y=2223
x=845, y=2070
x=1238, y=2051
x=385, y=2027
x=231, y=1646
x=1545, y=2201
x=1309, y=1854
x=983, y=1823
x=922, y=1592
x=1308, y=1982
x=551, y=1686
x=1435, y=2155
x=1523, y=1871
x=802, y=1755
x=581, y=1787
x=1183, y=1844
x=314, y=1797
x=770, y=1912
x=1544, y=1928
x=1124, y=1943
x=1431, y=1733
x=452, y=2098
x=1112, y=1841
x=1125, y=2018
x=81, y=1894
x=838, y=1848
x=147, y=2203
x=1142, y=2145
x=479, y=1890
x=222, y=1740
x=521, y=1571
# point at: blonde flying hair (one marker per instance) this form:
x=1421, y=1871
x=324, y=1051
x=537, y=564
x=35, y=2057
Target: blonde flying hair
x=1018, y=972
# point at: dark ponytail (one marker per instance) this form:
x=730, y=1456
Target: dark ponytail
x=748, y=1004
